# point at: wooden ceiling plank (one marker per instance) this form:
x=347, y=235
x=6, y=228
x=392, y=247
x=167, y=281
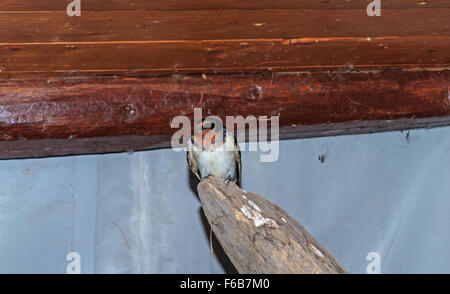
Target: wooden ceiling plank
x=44, y=27
x=164, y=5
x=344, y=54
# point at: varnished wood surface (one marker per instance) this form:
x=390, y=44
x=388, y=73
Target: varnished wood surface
x=267, y=24
x=58, y=116
x=219, y=56
x=112, y=79
x=114, y=37
x=108, y=5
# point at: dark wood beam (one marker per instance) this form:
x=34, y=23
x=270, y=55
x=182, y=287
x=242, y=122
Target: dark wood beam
x=174, y=5
x=59, y=116
x=139, y=37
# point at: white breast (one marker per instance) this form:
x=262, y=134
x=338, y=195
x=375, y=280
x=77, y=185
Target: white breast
x=218, y=163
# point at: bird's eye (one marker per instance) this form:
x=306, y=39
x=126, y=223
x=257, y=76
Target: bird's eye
x=213, y=125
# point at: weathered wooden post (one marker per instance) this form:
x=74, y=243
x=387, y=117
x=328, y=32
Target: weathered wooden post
x=258, y=236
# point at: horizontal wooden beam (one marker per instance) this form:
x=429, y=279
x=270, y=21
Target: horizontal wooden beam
x=174, y=5
x=58, y=116
x=38, y=38
x=225, y=56
x=134, y=26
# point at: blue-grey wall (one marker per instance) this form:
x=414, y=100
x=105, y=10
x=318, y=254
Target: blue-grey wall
x=137, y=213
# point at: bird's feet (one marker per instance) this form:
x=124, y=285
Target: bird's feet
x=227, y=180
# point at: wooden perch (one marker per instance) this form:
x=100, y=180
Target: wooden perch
x=258, y=236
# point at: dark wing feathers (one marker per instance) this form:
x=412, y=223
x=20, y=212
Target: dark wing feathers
x=237, y=155
x=192, y=162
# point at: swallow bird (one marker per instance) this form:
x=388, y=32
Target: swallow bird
x=213, y=150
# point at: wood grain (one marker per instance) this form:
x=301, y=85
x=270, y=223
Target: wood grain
x=258, y=236
x=140, y=41
x=164, y=5
x=108, y=26
x=345, y=54
x=58, y=116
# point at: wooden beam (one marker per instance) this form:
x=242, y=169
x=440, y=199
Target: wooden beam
x=260, y=237
x=174, y=5
x=207, y=25
x=57, y=116
x=306, y=54
x=153, y=37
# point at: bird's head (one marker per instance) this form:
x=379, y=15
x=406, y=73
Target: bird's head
x=209, y=134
